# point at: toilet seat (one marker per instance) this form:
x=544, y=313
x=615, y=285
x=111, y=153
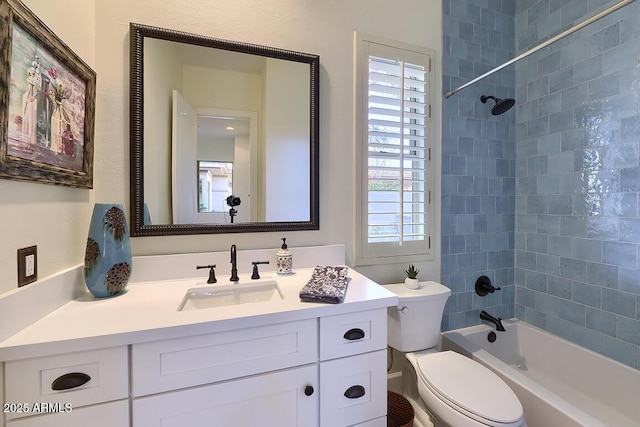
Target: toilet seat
x=469, y=388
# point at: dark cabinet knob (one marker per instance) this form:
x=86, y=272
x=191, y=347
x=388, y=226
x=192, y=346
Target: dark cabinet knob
x=308, y=390
x=354, y=392
x=69, y=381
x=354, y=334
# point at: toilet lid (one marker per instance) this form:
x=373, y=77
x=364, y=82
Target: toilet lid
x=469, y=387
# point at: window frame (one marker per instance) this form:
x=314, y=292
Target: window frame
x=376, y=253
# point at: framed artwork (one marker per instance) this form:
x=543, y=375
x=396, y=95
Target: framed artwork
x=47, y=104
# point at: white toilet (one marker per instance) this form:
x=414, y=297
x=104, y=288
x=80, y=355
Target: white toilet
x=457, y=391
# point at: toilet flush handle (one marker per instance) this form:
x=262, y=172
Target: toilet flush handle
x=404, y=309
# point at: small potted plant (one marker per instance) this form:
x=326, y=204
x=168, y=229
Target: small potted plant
x=411, y=281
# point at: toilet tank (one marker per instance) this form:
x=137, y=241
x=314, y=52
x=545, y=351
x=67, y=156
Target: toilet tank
x=414, y=324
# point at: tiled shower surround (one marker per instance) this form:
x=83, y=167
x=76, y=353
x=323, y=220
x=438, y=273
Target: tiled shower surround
x=578, y=177
x=478, y=160
x=576, y=149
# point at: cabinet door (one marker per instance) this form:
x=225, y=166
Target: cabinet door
x=378, y=422
x=205, y=359
x=285, y=398
x=113, y=414
x=353, y=389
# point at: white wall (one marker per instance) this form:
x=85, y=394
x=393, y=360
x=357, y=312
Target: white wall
x=286, y=137
x=229, y=90
x=242, y=178
x=57, y=219
x=54, y=218
x=167, y=77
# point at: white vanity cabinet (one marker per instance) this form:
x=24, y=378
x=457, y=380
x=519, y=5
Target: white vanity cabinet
x=260, y=376
x=285, y=363
x=110, y=414
x=282, y=398
x=73, y=389
x=353, y=369
x=327, y=371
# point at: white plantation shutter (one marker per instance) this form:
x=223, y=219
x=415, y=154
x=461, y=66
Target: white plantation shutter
x=395, y=194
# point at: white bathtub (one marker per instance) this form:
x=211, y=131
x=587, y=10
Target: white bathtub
x=558, y=383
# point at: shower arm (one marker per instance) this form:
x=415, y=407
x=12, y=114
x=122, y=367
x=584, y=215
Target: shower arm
x=543, y=44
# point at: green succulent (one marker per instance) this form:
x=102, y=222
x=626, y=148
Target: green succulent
x=412, y=272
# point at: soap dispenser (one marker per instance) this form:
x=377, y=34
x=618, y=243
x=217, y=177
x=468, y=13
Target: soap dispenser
x=284, y=261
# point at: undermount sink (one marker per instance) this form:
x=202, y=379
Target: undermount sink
x=234, y=294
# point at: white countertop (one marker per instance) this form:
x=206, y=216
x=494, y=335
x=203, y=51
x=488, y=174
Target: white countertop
x=148, y=311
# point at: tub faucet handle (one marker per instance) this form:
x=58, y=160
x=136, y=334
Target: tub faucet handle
x=484, y=286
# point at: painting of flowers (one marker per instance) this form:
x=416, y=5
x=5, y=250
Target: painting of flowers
x=49, y=98
x=46, y=113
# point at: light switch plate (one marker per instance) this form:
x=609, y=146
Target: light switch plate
x=27, y=265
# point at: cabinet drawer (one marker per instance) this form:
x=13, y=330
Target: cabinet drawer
x=353, y=389
x=84, y=378
x=353, y=333
x=195, y=360
x=277, y=399
x=112, y=414
x=378, y=422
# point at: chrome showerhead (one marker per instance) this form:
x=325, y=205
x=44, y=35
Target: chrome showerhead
x=501, y=106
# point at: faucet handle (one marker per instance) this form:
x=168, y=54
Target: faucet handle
x=212, y=272
x=255, y=264
x=484, y=286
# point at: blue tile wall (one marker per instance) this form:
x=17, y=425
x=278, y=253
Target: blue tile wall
x=544, y=198
x=478, y=184
x=577, y=229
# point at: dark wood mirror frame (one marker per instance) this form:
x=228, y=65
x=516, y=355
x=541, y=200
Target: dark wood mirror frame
x=137, y=34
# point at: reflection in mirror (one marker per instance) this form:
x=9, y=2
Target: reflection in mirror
x=215, y=186
x=212, y=119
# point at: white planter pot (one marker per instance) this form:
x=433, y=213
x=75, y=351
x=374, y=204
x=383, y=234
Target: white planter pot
x=411, y=283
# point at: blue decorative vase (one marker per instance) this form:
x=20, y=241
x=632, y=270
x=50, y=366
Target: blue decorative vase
x=107, y=259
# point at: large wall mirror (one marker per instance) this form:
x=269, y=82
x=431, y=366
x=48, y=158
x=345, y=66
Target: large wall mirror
x=224, y=135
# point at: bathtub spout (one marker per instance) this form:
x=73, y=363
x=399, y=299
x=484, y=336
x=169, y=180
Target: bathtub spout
x=489, y=318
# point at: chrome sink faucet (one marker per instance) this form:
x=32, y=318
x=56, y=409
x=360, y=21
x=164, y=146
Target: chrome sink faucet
x=234, y=265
